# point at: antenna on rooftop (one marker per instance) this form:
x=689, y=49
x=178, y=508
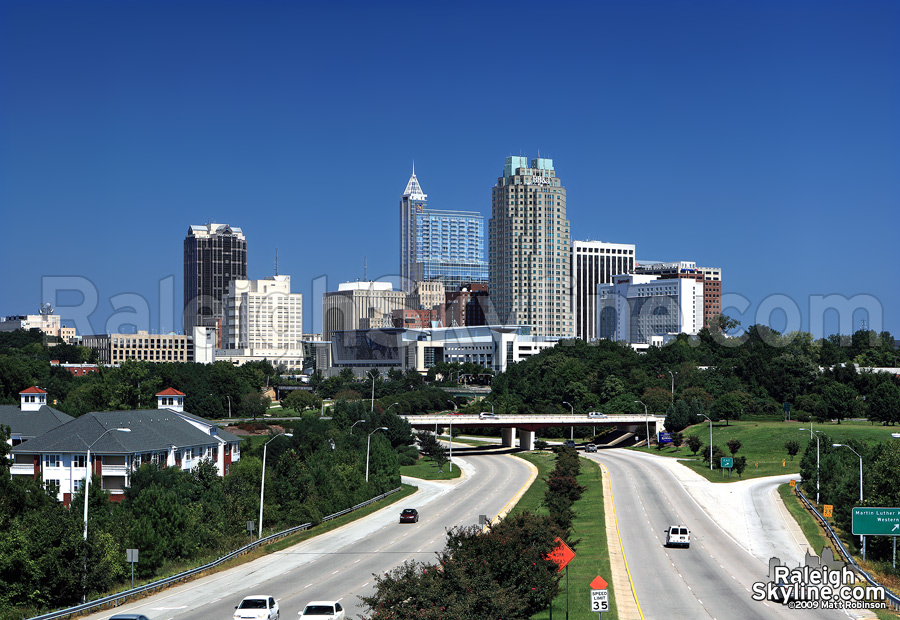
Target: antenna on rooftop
x=276, y=261
x=365, y=269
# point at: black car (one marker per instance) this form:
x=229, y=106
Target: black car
x=409, y=515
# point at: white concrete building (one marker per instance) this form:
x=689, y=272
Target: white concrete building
x=595, y=263
x=360, y=305
x=644, y=310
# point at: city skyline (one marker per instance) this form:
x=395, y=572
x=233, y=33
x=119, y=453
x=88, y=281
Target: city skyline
x=760, y=138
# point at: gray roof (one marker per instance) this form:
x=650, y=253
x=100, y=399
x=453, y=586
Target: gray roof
x=152, y=430
x=29, y=424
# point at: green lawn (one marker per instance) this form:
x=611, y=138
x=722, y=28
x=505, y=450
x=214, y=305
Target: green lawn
x=589, y=530
x=426, y=469
x=763, y=444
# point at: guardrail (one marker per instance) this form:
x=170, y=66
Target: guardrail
x=114, y=600
x=892, y=599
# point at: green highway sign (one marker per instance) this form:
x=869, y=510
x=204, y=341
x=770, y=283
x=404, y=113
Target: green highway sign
x=876, y=521
x=727, y=462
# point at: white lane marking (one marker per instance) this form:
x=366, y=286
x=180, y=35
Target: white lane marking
x=356, y=561
x=335, y=572
x=307, y=585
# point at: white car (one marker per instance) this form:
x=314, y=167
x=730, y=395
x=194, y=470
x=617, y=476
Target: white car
x=257, y=607
x=323, y=610
x=484, y=415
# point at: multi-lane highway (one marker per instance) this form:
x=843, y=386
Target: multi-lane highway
x=711, y=579
x=340, y=564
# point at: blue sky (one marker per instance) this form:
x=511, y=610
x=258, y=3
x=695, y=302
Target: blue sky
x=760, y=137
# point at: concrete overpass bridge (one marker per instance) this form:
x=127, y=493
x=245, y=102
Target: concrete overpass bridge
x=528, y=425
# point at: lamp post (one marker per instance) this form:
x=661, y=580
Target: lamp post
x=452, y=403
x=229, y=404
x=372, y=406
x=354, y=424
x=389, y=407
x=571, y=408
x=673, y=384
x=646, y=420
x=710, y=439
x=262, y=487
x=816, y=434
x=368, y=441
x=862, y=538
x=87, y=488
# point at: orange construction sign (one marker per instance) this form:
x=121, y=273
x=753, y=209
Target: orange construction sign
x=562, y=554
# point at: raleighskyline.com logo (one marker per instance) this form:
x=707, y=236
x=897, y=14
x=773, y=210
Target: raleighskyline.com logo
x=818, y=584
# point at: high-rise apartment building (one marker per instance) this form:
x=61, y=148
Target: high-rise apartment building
x=438, y=245
x=263, y=315
x=710, y=276
x=214, y=256
x=529, y=249
x=593, y=263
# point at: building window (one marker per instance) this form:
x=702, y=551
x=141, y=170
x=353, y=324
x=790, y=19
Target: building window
x=51, y=460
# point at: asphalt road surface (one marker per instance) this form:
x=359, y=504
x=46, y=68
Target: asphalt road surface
x=340, y=564
x=711, y=579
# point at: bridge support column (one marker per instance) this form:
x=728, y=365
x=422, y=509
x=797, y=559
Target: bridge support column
x=507, y=437
x=526, y=439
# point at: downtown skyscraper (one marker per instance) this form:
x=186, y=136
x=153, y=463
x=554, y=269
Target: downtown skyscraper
x=528, y=236
x=214, y=256
x=438, y=245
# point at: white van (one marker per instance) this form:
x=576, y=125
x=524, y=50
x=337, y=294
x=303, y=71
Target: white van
x=678, y=536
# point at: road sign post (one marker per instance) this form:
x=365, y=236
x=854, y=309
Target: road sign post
x=131, y=556
x=599, y=596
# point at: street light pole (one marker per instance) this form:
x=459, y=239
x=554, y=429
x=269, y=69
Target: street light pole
x=571, y=408
x=87, y=488
x=862, y=537
x=229, y=404
x=389, y=407
x=710, y=439
x=646, y=420
x=368, y=441
x=372, y=406
x=816, y=434
x=354, y=424
x=673, y=385
x=262, y=487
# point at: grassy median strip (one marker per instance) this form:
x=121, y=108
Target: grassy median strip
x=588, y=534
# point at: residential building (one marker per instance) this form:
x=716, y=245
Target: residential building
x=263, y=315
x=438, y=245
x=426, y=295
x=646, y=310
x=79, y=370
x=593, y=263
x=529, y=249
x=167, y=436
x=360, y=305
x=32, y=417
x=214, y=256
x=710, y=276
x=418, y=319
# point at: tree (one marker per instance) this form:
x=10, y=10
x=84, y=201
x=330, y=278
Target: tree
x=254, y=404
x=728, y=406
x=884, y=403
x=694, y=443
x=839, y=399
x=299, y=400
x=439, y=454
x=740, y=464
x=656, y=399
x=734, y=445
x=677, y=439
x=540, y=444
x=792, y=447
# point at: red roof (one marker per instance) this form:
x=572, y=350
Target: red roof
x=33, y=390
x=170, y=392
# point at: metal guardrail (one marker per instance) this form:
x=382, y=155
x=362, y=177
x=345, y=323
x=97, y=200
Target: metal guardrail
x=892, y=599
x=114, y=599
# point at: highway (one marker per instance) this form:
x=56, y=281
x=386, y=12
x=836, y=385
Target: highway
x=340, y=564
x=711, y=579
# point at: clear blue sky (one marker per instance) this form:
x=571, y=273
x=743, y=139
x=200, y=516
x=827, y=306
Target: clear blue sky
x=760, y=137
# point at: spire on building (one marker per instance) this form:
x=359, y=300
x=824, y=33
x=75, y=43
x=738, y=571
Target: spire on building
x=413, y=189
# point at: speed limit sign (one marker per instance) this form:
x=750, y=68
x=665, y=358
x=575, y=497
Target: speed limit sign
x=599, y=600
